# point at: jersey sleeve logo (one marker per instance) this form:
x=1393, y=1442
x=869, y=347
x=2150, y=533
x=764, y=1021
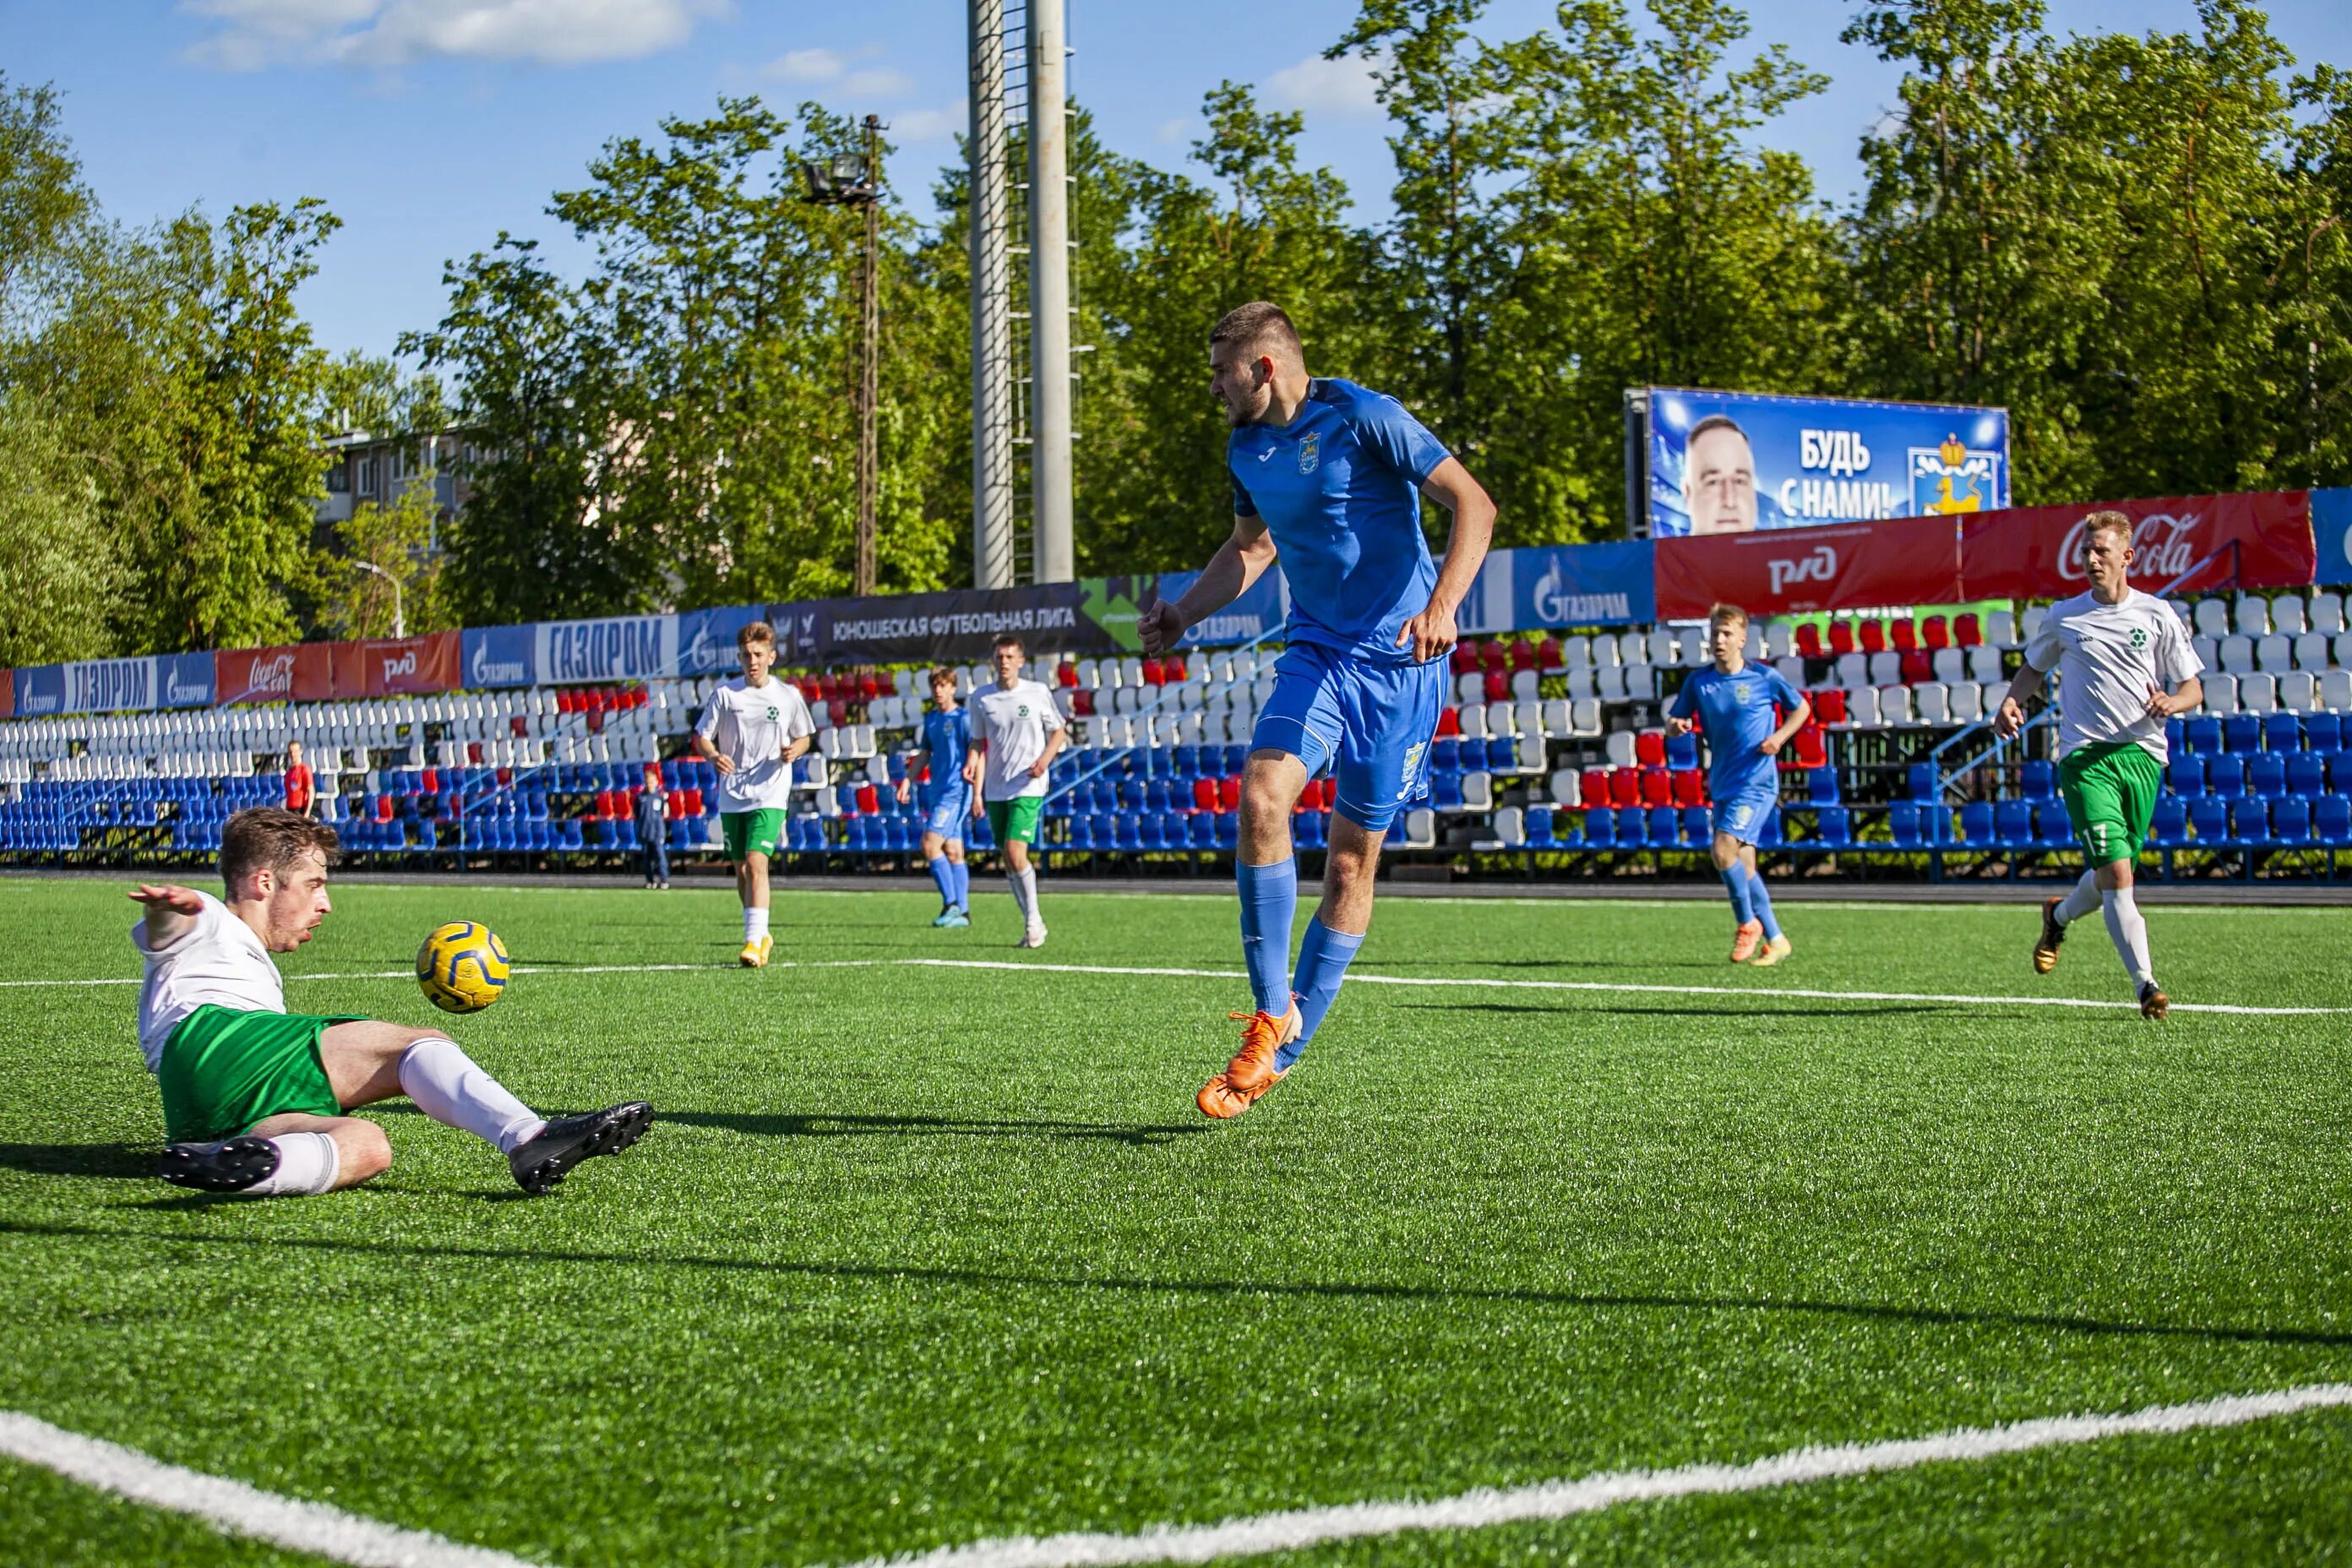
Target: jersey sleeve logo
x=1310, y=452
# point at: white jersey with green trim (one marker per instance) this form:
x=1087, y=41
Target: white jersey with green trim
x=217, y=962
x=1015, y=721
x=751, y=726
x=2107, y=656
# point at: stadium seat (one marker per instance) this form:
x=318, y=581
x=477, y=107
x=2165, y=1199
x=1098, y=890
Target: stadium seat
x=2225, y=775
x=2052, y=829
x=2331, y=820
x=1599, y=827
x=2266, y=775
x=2186, y=776
x=1902, y=823
x=2249, y=820
x=2168, y=826
x=1831, y=828
x=2291, y=823
x=2014, y=824
x=2037, y=779
x=1976, y=824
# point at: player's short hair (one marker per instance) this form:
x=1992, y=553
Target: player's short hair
x=1258, y=325
x=755, y=631
x=1714, y=422
x=1724, y=615
x=1007, y=639
x=2108, y=522
x=943, y=674
x=272, y=839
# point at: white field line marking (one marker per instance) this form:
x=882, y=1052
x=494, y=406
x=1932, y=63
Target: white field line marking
x=235, y=1507
x=1305, y=1527
x=1621, y=987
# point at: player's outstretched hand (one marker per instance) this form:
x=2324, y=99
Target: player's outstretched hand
x=1431, y=634
x=2008, y=719
x=1160, y=627
x=169, y=896
x=1678, y=726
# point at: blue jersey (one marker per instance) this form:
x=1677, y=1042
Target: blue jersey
x=947, y=738
x=1735, y=711
x=1339, y=489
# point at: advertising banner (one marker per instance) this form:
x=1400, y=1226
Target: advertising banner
x=961, y=625
x=40, y=689
x=396, y=666
x=499, y=656
x=110, y=685
x=2260, y=541
x=2331, y=529
x=1612, y=585
x=1901, y=561
x=183, y=680
x=1741, y=462
x=7, y=692
x=299, y=672
x=706, y=638
x=611, y=648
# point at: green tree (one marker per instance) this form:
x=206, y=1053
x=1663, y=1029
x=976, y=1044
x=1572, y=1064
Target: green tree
x=61, y=579
x=376, y=547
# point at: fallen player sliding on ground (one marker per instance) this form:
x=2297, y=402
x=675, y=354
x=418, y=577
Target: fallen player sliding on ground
x=254, y=1096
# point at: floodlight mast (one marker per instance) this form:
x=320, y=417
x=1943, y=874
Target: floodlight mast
x=993, y=408
x=1050, y=467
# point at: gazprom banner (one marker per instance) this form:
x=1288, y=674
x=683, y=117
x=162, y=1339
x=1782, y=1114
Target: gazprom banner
x=614, y=648
x=2331, y=529
x=1612, y=585
x=1738, y=462
x=705, y=639
x=492, y=657
x=183, y=680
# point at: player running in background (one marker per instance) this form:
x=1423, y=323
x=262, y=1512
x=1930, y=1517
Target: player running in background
x=753, y=729
x=1016, y=733
x=2125, y=666
x=1737, y=706
x=945, y=751
x=1327, y=476
x=254, y=1096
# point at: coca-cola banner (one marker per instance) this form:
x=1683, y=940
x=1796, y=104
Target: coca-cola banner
x=300, y=672
x=2258, y=541
x=391, y=666
x=1852, y=566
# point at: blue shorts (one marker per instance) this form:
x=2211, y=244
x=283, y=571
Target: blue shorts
x=1370, y=724
x=948, y=813
x=1744, y=815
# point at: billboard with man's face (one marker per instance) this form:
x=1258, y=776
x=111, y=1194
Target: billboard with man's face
x=1741, y=462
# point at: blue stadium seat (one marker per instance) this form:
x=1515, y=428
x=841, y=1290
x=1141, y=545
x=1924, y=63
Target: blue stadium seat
x=1446, y=754
x=1633, y=828
x=571, y=839
x=1903, y=822
x=1682, y=751
x=1696, y=829
x=1229, y=829
x=2013, y=823
x=1201, y=831
x=1922, y=781
x=2250, y=820
x=2053, y=829
x=1154, y=830
x=1822, y=785
x=2266, y=775
x=2291, y=823
x=1599, y=827
x=2176, y=737
x=2282, y=732
x=2209, y=820
x=1446, y=790
x=1666, y=828
x=1976, y=824
x=2242, y=732
x=2168, y=826
x=2323, y=732
x=1540, y=827
x=2331, y=819
x=1832, y=827
x=2187, y=776
x=1156, y=795
x=1502, y=755
x=2037, y=779
x=1309, y=830
x=2225, y=775
x=2306, y=775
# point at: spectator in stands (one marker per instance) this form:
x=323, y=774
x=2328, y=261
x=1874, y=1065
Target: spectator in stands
x=254, y=1097
x=1739, y=707
x=2124, y=666
x=753, y=729
x=653, y=828
x=301, y=788
x=1016, y=732
x=1719, y=476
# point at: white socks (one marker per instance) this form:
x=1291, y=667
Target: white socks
x=1024, y=894
x=755, y=924
x=2082, y=901
x=2129, y=933
x=447, y=1086
x=307, y=1164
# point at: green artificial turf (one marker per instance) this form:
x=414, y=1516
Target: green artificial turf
x=921, y=1255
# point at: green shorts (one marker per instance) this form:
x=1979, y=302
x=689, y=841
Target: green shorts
x=746, y=831
x=2110, y=791
x=1016, y=819
x=222, y=1071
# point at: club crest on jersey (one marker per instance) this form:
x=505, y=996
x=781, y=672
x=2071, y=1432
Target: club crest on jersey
x=773, y=713
x=1310, y=452
x=2139, y=637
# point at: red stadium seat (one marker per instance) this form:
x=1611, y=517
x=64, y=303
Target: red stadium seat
x=1808, y=746
x=1935, y=632
x=869, y=687
x=1493, y=657
x=870, y=800
x=1594, y=790
x=1204, y=794
x=1523, y=655
x=474, y=753
x=1873, y=637
x=1689, y=787
x=1498, y=686
x=519, y=725
x=1657, y=787
x=1829, y=707
x=1067, y=676
x=1905, y=636
x=1650, y=748
x=1465, y=659
x=1841, y=636
x=1449, y=720
x=1624, y=786
x=429, y=782
x=1967, y=630
x=1082, y=704
x=693, y=802
x=1809, y=642
x=1918, y=665
x=384, y=808
x=1229, y=792
x=1153, y=675
x=1550, y=654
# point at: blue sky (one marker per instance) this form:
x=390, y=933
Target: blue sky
x=429, y=125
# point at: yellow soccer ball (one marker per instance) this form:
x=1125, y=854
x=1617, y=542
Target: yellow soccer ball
x=462, y=967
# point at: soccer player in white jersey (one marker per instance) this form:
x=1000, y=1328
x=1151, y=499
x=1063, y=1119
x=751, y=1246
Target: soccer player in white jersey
x=254, y=1097
x=1016, y=733
x=753, y=730
x=2125, y=666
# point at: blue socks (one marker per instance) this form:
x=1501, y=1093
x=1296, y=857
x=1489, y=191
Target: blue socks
x=1761, y=902
x=961, y=892
x=1323, y=960
x=943, y=877
x=1735, y=882
x=1269, y=899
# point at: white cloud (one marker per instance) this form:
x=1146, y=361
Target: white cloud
x=1177, y=132
x=919, y=126
x=806, y=65
x=1342, y=88
x=876, y=83
x=389, y=33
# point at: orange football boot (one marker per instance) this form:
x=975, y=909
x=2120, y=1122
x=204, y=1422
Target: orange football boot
x=1744, y=940
x=1251, y=1071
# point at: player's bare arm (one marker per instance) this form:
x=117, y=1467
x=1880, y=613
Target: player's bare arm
x=971, y=773
x=796, y=748
x=2182, y=698
x=2010, y=717
x=713, y=755
x=170, y=911
x=1238, y=563
x=1054, y=744
x=1770, y=744
x=1432, y=632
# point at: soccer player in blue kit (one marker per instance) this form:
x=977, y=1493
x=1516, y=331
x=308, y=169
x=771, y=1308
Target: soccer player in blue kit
x=1733, y=704
x=1329, y=477
x=947, y=798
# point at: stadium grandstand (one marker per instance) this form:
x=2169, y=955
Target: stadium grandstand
x=1551, y=759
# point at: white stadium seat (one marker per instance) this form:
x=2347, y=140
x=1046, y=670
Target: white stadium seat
x=2326, y=612
x=2274, y=652
x=2298, y=691
x=2335, y=690
x=2286, y=615
x=2311, y=651
x=2212, y=618
x=2253, y=615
